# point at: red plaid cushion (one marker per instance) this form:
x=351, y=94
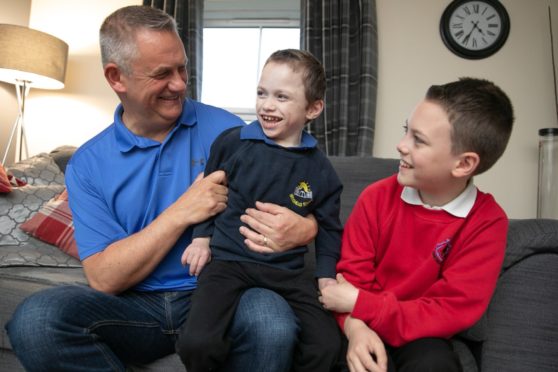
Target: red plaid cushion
x=53, y=224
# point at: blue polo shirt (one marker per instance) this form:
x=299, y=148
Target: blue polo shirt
x=119, y=183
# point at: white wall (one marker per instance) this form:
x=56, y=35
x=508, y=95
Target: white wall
x=411, y=58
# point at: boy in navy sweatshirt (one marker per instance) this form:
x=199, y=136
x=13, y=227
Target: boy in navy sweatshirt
x=275, y=160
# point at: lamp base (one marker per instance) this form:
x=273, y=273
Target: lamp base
x=18, y=129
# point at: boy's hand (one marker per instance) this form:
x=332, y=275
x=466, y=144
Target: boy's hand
x=366, y=351
x=197, y=254
x=324, y=282
x=340, y=296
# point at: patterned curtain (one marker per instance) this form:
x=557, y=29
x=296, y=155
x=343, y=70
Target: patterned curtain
x=189, y=17
x=343, y=35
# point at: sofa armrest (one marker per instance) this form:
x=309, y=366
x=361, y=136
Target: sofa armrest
x=530, y=236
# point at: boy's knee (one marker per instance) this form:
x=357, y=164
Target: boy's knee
x=202, y=353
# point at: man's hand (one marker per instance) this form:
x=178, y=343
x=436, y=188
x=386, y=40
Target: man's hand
x=366, y=351
x=197, y=254
x=340, y=296
x=276, y=229
x=205, y=198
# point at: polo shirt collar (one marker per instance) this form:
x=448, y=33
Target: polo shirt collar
x=254, y=131
x=126, y=140
x=458, y=207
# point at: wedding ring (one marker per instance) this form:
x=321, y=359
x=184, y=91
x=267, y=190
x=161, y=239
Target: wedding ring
x=265, y=241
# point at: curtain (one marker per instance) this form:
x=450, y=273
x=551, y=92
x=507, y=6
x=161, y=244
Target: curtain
x=189, y=17
x=343, y=35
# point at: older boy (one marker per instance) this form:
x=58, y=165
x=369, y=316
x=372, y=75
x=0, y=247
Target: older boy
x=272, y=159
x=422, y=249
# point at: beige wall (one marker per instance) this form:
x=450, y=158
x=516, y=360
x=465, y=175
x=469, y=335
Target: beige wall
x=411, y=57
x=16, y=13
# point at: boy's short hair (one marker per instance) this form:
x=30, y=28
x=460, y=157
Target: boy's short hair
x=480, y=115
x=313, y=74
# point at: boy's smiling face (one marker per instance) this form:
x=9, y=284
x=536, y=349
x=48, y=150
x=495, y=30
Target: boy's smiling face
x=427, y=161
x=281, y=104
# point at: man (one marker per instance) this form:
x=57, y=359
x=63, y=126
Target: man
x=134, y=195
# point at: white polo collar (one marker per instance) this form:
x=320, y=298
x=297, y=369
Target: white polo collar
x=459, y=207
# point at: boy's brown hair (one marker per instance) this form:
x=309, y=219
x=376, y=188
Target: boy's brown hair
x=480, y=115
x=313, y=74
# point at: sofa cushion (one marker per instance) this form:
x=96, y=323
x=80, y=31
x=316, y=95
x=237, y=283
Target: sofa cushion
x=522, y=321
x=358, y=172
x=18, y=248
x=61, y=155
x=53, y=224
x=37, y=170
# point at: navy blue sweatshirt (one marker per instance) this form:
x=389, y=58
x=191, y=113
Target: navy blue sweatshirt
x=301, y=179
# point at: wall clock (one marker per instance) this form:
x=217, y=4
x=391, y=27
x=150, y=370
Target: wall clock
x=474, y=29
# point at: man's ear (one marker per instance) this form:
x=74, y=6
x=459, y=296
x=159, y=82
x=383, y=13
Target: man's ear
x=467, y=164
x=314, y=109
x=113, y=75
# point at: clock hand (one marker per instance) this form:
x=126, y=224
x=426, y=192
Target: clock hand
x=475, y=25
x=466, y=38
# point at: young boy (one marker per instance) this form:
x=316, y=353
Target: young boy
x=275, y=160
x=422, y=250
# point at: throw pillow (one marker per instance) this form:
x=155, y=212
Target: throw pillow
x=18, y=248
x=40, y=169
x=53, y=224
x=18, y=206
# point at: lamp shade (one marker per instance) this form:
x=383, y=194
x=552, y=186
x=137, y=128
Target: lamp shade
x=32, y=56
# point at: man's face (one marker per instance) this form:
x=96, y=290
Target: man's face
x=156, y=88
x=427, y=160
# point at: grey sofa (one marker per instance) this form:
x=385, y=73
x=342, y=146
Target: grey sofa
x=519, y=331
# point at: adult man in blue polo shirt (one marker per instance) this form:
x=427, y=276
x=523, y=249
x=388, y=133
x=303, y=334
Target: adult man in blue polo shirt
x=134, y=194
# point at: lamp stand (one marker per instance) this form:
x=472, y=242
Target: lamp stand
x=18, y=129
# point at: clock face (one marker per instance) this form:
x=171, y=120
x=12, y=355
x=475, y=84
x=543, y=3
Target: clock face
x=474, y=29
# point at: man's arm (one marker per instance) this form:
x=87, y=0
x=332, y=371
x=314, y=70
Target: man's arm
x=128, y=261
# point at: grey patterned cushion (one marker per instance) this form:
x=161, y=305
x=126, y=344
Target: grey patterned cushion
x=18, y=248
x=40, y=169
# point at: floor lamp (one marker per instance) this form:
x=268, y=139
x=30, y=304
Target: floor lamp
x=29, y=58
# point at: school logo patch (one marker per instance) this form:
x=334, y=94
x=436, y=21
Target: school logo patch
x=302, y=194
x=441, y=251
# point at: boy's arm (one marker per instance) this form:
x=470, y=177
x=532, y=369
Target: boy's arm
x=328, y=239
x=453, y=303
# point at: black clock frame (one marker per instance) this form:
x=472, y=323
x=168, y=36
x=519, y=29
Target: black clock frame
x=456, y=48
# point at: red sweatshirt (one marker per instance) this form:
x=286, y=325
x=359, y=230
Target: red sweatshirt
x=421, y=272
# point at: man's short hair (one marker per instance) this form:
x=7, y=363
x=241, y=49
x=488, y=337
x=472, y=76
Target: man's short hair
x=118, y=32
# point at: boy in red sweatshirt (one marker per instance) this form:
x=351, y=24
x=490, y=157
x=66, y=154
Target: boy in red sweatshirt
x=422, y=250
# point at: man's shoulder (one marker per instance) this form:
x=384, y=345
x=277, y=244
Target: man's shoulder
x=205, y=111
x=99, y=144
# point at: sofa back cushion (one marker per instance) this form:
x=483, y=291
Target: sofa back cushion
x=358, y=172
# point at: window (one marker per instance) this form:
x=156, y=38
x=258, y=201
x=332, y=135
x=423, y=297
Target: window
x=232, y=61
x=238, y=37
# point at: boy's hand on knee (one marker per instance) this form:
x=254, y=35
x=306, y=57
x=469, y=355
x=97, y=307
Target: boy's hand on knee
x=197, y=255
x=366, y=351
x=324, y=282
